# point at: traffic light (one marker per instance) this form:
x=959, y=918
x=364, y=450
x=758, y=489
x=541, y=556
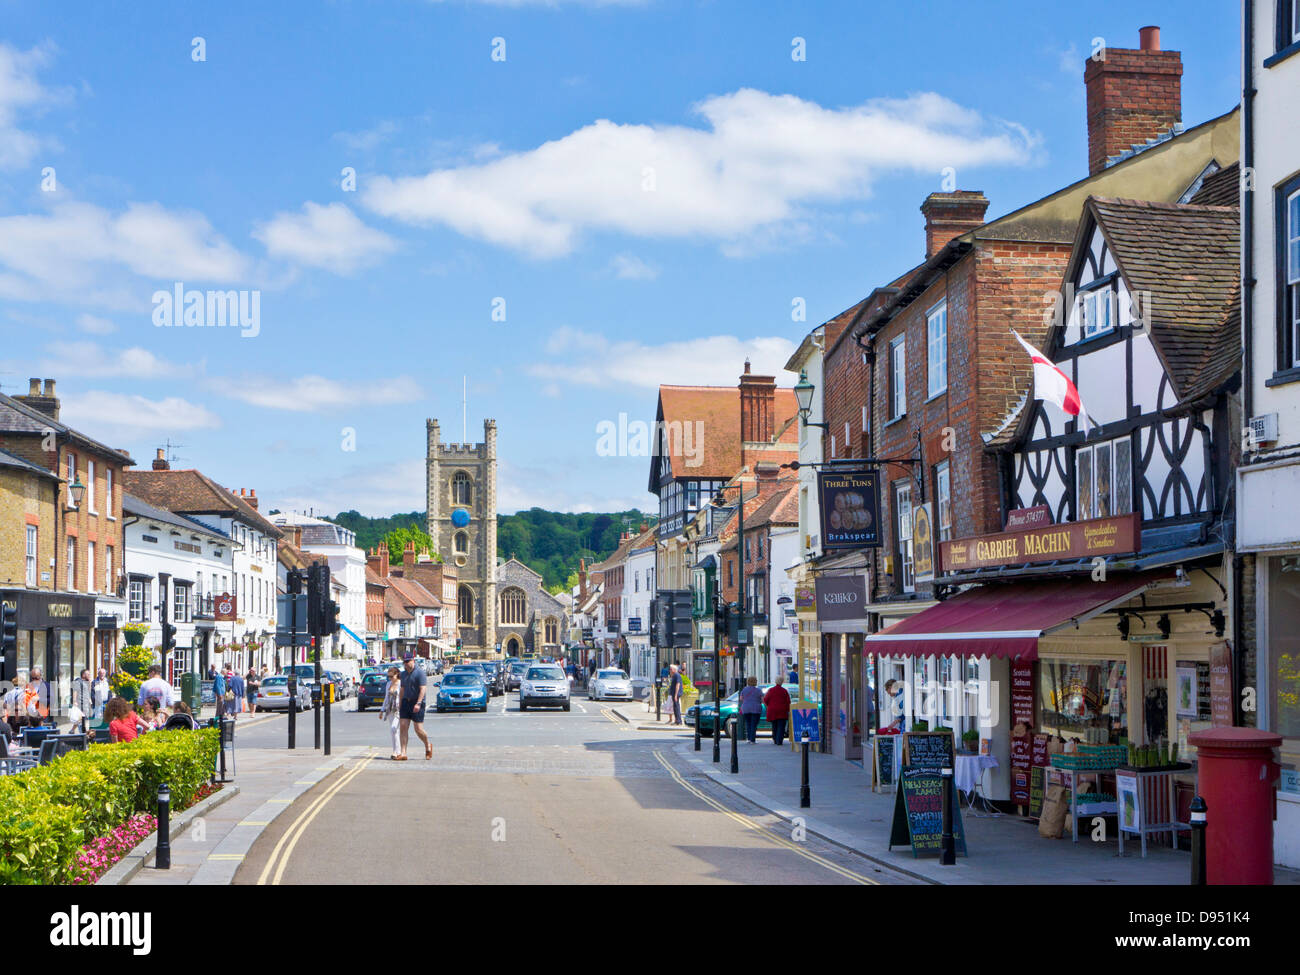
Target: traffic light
x=8, y=640
x=680, y=606
x=331, y=617
x=460, y=644
x=318, y=598
x=168, y=638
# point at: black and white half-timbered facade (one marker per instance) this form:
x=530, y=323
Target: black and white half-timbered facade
x=1103, y=603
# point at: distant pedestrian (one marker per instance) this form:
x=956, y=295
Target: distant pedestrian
x=675, y=693
x=14, y=713
x=411, y=709
x=102, y=693
x=36, y=702
x=777, y=702
x=751, y=709
x=237, y=689
x=391, y=710
x=219, y=691
x=123, y=723
x=83, y=701
x=156, y=687
x=251, y=683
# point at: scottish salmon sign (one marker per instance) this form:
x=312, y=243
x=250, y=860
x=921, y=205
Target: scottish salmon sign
x=1069, y=540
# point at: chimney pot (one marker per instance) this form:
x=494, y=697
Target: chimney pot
x=33, y=387
x=949, y=215
x=160, y=461
x=1149, y=38
x=49, y=388
x=1134, y=99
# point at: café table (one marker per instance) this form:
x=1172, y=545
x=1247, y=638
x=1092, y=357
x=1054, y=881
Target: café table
x=968, y=773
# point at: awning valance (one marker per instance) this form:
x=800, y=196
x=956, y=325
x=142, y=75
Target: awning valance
x=1003, y=620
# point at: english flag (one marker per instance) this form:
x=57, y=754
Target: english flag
x=1054, y=386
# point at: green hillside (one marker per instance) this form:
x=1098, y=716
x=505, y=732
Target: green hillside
x=549, y=542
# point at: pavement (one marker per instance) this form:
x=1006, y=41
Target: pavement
x=1001, y=849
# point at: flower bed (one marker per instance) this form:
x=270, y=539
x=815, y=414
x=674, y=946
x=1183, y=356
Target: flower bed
x=95, y=858
x=47, y=815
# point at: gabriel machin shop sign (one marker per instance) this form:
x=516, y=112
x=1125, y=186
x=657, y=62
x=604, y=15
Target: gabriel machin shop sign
x=850, y=508
x=1070, y=540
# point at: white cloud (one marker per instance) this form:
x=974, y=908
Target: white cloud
x=369, y=139
x=79, y=253
x=92, y=359
x=21, y=92
x=760, y=162
x=112, y=415
x=377, y=490
x=94, y=325
x=632, y=268
x=307, y=394
x=330, y=237
x=590, y=359
x=520, y=487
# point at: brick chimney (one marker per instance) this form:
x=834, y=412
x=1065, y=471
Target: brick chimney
x=757, y=407
x=408, y=559
x=377, y=560
x=250, y=498
x=949, y=215
x=768, y=476
x=160, y=461
x=1133, y=97
x=43, y=400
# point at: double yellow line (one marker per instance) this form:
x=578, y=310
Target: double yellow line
x=294, y=833
x=770, y=835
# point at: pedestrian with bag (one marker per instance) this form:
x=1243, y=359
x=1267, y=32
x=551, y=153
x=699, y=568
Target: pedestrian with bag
x=83, y=701
x=777, y=702
x=102, y=692
x=751, y=710
x=236, y=693
x=390, y=711
x=219, y=691
x=411, y=708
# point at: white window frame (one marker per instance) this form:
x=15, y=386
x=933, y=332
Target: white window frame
x=137, y=601
x=1087, y=505
x=936, y=337
x=898, y=377
x=181, y=603
x=1090, y=320
x=90, y=487
x=108, y=491
x=92, y=583
x=72, y=563
x=903, y=523
x=109, y=552
x=33, y=547
x=943, y=499
x=1295, y=21
x=1291, y=243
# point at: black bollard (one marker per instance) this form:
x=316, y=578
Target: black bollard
x=293, y=711
x=1199, y=809
x=717, y=734
x=221, y=737
x=657, y=716
x=947, y=845
x=327, y=698
x=805, y=793
x=163, y=857
x=735, y=742
x=316, y=706
x=697, y=728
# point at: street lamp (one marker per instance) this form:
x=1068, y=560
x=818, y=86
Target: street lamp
x=76, y=491
x=803, y=394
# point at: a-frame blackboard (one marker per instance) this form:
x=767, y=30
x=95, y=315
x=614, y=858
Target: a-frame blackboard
x=918, y=813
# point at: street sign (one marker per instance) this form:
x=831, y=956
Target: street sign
x=284, y=608
x=805, y=719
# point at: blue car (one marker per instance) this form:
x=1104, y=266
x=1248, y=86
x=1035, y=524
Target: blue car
x=462, y=690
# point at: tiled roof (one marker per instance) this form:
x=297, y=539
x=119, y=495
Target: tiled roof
x=18, y=417
x=1221, y=189
x=321, y=535
x=193, y=493
x=714, y=411
x=13, y=460
x=373, y=578
x=411, y=593
x=1187, y=257
x=394, y=609
x=132, y=505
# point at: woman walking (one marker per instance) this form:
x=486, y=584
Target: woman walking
x=251, y=683
x=390, y=712
x=751, y=709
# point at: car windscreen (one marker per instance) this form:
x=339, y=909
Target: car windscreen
x=545, y=673
x=610, y=675
x=518, y=668
x=274, y=681
x=460, y=680
x=376, y=679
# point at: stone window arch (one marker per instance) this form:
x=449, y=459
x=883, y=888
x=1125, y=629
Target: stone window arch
x=552, y=630
x=465, y=599
x=461, y=488
x=462, y=543
x=513, y=607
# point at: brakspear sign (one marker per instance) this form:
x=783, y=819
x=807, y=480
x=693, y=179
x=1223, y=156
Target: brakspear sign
x=1071, y=540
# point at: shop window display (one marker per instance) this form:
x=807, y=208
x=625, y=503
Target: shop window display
x=1084, y=700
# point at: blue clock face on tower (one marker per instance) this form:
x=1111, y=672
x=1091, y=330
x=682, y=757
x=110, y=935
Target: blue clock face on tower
x=460, y=517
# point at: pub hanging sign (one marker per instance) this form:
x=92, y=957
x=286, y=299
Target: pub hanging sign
x=850, y=508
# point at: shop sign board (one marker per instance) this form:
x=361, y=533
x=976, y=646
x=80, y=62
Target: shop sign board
x=1019, y=519
x=928, y=749
x=1221, y=685
x=850, y=508
x=886, y=760
x=918, y=814
x=225, y=608
x=805, y=597
x=923, y=553
x=841, y=598
x=805, y=720
x=1120, y=535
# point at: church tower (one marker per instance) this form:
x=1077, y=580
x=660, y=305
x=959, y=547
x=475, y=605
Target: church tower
x=461, y=498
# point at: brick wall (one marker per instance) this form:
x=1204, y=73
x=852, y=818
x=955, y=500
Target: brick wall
x=25, y=499
x=1133, y=96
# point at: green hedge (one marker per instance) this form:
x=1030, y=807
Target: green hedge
x=48, y=813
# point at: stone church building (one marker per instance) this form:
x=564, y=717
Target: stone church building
x=502, y=606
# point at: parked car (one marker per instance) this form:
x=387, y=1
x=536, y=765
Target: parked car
x=273, y=695
x=703, y=712
x=371, y=691
x=514, y=674
x=544, y=685
x=462, y=691
x=344, y=687
x=610, y=684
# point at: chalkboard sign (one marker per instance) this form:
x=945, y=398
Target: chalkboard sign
x=886, y=761
x=1037, y=786
x=930, y=749
x=918, y=814
x=209, y=695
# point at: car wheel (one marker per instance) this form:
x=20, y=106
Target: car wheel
x=566, y=707
x=731, y=728
x=523, y=706
x=441, y=710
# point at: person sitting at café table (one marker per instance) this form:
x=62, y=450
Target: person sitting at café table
x=123, y=723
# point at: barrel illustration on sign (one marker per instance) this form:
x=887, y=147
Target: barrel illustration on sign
x=850, y=508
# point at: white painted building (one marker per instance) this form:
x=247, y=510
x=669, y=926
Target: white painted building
x=786, y=544
x=1268, y=480
x=638, y=591
x=172, y=561
x=338, y=547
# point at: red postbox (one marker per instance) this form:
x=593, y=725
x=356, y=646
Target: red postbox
x=1237, y=778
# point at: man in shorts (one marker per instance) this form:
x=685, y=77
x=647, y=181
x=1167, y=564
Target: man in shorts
x=411, y=710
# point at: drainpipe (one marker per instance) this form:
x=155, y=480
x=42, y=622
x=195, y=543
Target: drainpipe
x=869, y=354
x=1247, y=320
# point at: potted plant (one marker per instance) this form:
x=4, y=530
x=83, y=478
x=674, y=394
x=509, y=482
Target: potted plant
x=134, y=633
x=970, y=740
x=690, y=693
x=135, y=660
x=920, y=726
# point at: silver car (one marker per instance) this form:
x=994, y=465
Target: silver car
x=610, y=684
x=544, y=685
x=273, y=695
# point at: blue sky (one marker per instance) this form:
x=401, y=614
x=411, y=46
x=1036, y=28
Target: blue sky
x=643, y=188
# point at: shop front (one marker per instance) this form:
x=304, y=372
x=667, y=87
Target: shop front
x=55, y=633
x=841, y=602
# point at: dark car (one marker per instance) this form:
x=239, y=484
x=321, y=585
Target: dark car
x=514, y=674
x=496, y=679
x=371, y=691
